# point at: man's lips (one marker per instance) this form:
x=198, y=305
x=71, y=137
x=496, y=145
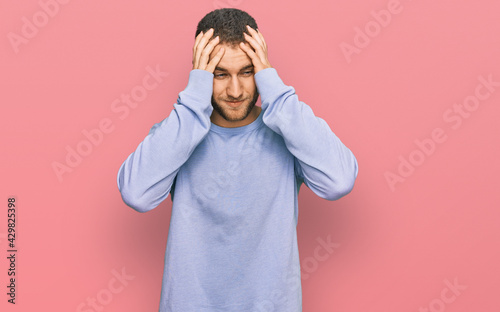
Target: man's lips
x=233, y=103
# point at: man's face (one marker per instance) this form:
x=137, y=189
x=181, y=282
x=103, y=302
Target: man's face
x=233, y=81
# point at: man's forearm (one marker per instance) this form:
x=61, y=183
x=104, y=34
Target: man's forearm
x=146, y=176
x=328, y=167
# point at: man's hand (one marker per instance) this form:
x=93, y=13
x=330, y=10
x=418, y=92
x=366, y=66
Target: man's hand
x=202, y=50
x=258, y=54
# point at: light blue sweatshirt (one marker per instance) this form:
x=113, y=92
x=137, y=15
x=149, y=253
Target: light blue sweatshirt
x=232, y=240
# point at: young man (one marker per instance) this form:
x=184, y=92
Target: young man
x=234, y=170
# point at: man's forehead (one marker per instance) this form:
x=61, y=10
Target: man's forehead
x=234, y=58
x=235, y=67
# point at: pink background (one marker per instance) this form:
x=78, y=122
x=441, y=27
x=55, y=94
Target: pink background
x=397, y=247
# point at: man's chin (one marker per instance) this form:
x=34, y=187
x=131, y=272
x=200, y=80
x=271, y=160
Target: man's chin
x=242, y=110
x=233, y=113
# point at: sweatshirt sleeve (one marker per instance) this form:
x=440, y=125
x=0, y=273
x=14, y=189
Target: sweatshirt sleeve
x=145, y=178
x=322, y=161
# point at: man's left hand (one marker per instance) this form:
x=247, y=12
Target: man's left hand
x=258, y=54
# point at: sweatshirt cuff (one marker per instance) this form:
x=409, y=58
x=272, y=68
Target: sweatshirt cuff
x=268, y=82
x=201, y=83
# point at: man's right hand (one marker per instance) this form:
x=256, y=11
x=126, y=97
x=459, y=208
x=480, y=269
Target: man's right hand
x=202, y=50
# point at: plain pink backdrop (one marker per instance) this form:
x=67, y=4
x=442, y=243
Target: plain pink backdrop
x=397, y=247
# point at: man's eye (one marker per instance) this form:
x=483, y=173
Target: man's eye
x=246, y=73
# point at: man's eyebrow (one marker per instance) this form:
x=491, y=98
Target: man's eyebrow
x=225, y=70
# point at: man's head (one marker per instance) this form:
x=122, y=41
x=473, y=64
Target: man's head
x=228, y=23
x=234, y=75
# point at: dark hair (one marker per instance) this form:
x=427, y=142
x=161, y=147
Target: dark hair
x=228, y=23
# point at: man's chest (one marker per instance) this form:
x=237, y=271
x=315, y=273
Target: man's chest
x=235, y=165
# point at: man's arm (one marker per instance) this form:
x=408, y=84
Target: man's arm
x=145, y=178
x=325, y=164
x=322, y=161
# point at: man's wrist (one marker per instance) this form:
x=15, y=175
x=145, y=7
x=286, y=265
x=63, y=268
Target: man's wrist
x=201, y=83
x=268, y=82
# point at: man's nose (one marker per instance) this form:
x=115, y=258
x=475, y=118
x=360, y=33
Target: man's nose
x=234, y=89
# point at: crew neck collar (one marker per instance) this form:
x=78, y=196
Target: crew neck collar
x=238, y=130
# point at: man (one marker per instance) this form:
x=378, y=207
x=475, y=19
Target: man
x=234, y=170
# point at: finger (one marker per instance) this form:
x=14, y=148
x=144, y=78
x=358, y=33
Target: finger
x=254, y=35
x=205, y=55
x=197, y=40
x=250, y=40
x=215, y=60
x=195, y=46
x=215, y=50
x=253, y=56
x=257, y=47
x=262, y=38
x=202, y=44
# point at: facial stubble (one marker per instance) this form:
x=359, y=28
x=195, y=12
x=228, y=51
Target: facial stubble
x=227, y=117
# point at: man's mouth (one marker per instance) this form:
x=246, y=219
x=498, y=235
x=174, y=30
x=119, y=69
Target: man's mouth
x=234, y=103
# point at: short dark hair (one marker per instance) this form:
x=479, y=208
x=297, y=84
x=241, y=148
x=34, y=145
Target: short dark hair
x=228, y=23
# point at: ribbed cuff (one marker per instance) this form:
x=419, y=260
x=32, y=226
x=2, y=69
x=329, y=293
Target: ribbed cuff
x=201, y=83
x=268, y=82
